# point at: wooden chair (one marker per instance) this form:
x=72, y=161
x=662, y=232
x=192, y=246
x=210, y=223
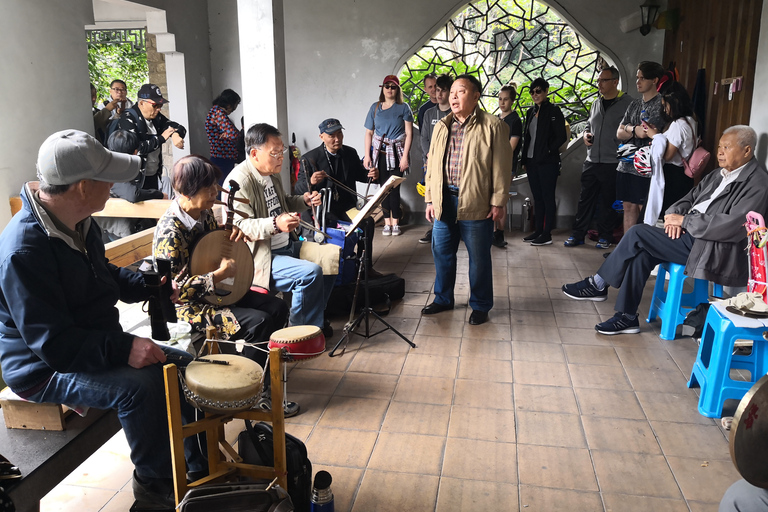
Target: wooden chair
x=223, y=461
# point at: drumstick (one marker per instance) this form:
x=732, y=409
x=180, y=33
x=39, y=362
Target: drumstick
x=174, y=357
x=311, y=227
x=238, y=199
x=242, y=214
x=342, y=185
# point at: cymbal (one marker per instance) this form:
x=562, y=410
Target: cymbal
x=749, y=435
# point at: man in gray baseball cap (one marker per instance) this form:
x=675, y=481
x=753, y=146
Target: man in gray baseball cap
x=60, y=335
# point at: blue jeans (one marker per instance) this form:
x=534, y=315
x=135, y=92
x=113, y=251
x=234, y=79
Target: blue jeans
x=139, y=397
x=477, y=236
x=310, y=289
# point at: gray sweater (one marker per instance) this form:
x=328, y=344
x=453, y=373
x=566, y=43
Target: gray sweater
x=603, y=125
x=427, y=126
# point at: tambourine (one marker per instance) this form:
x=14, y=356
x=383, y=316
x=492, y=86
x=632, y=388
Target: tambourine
x=299, y=342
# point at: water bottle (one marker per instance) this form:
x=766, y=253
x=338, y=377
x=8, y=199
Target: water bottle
x=322, y=496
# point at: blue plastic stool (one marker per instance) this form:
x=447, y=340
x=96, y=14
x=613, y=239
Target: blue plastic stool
x=671, y=305
x=715, y=359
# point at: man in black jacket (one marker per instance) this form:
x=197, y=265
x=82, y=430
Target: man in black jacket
x=153, y=129
x=333, y=158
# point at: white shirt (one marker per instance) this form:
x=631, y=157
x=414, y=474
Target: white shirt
x=153, y=158
x=728, y=177
x=681, y=135
x=281, y=239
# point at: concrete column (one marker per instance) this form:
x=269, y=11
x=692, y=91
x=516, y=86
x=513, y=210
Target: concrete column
x=262, y=64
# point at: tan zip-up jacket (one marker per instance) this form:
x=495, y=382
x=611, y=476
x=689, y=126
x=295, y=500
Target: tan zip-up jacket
x=485, y=169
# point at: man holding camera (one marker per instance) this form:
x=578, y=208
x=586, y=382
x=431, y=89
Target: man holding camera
x=60, y=335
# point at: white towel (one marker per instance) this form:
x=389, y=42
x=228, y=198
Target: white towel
x=656, y=192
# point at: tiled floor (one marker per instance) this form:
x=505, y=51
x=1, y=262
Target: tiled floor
x=532, y=411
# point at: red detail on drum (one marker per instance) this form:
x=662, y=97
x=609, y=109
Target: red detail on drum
x=752, y=416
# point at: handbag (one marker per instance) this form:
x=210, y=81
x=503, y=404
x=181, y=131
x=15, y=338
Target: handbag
x=698, y=159
x=234, y=497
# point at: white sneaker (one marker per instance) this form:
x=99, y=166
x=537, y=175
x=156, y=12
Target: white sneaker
x=395, y=230
x=387, y=230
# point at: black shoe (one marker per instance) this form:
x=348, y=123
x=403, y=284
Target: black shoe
x=533, y=236
x=619, y=324
x=542, y=240
x=290, y=409
x=498, y=239
x=194, y=476
x=585, y=290
x=427, y=238
x=478, y=317
x=153, y=493
x=435, y=308
x=327, y=329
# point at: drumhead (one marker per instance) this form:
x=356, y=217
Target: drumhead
x=239, y=380
x=295, y=333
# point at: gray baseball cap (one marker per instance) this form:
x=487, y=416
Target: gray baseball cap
x=69, y=156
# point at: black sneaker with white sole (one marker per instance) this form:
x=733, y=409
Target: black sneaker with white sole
x=619, y=324
x=530, y=238
x=544, y=239
x=585, y=290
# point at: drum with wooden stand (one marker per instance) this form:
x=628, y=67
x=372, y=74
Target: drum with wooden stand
x=221, y=388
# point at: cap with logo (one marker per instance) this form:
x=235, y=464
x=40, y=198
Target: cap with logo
x=330, y=126
x=69, y=156
x=151, y=92
x=391, y=78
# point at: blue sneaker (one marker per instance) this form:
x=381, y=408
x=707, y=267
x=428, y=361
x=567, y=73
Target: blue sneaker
x=573, y=242
x=619, y=324
x=602, y=244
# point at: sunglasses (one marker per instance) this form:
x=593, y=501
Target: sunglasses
x=156, y=106
x=390, y=86
x=537, y=91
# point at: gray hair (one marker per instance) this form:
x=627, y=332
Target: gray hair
x=745, y=135
x=614, y=72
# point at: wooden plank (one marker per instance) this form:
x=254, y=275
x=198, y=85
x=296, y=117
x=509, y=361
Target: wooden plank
x=130, y=249
x=33, y=416
x=150, y=209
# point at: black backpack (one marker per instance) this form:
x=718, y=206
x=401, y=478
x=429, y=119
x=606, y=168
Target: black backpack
x=255, y=446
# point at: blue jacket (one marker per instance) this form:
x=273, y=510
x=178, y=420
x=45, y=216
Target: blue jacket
x=57, y=303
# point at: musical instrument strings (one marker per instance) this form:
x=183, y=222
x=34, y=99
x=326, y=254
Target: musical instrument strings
x=242, y=214
x=238, y=199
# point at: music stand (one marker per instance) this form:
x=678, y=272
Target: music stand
x=367, y=311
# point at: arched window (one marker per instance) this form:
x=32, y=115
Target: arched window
x=506, y=41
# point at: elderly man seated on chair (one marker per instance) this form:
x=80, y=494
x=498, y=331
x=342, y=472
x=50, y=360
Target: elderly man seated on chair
x=703, y=231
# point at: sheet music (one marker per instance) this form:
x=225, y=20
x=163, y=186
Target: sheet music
x=375, y=201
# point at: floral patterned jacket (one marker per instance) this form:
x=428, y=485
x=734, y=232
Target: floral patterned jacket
x=173, y=241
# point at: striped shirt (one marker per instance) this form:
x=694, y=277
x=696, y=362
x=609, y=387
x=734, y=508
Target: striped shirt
x=455, y=151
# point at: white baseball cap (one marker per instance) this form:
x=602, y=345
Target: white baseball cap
x=69, y=156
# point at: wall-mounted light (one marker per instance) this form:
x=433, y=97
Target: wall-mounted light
x=648, y=12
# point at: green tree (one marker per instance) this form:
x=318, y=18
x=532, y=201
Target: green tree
x=109, y=61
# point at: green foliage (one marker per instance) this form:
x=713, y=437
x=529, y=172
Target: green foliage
x=412, y=80
x=107, y=62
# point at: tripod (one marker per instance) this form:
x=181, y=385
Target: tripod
x=367, y=311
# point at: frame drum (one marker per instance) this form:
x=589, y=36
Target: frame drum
x=220, y=388
x=749, y=435
x=299, y=341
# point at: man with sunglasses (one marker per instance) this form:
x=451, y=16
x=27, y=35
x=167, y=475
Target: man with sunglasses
x=598, y=176
x=153, y=128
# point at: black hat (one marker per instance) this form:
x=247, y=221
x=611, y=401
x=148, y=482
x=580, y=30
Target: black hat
x=330, y=126
x=151, y=92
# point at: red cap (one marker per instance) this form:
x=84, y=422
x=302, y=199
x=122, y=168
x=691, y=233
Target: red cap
x=391, y=78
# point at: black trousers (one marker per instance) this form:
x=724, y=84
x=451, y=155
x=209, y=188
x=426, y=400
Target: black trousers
x=598, y=190
x=259, y=315
x=543, y=181
x=391, y=203
x=630, y=264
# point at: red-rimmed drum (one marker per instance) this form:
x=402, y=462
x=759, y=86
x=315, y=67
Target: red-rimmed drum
x=299, y=341
x=220, y=388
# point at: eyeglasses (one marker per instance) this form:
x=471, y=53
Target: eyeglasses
x=280, y=154
x=537, y=91
x=601, y=80
x=390, y=86
x=116, y=89
x=156, y=106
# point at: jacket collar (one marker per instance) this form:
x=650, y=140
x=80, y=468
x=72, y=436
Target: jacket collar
x=44, y=219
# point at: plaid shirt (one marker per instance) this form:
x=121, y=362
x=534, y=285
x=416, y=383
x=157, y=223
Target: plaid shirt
x=455, y=151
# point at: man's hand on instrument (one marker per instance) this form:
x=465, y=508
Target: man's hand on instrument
x=673, y=225
x=287, y=221
x=373, y=173
x=317, y=177
x=313, y=199
x=237, y=235
x=145, y=352
x=430, y=213
x=177, y=140
x=496, y=213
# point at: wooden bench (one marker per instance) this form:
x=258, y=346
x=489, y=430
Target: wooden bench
x=46, y=457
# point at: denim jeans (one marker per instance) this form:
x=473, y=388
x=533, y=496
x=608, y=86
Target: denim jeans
x=310, y=289
x=477, y=236
x=139, y=397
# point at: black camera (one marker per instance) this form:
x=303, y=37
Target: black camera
x=160, y=308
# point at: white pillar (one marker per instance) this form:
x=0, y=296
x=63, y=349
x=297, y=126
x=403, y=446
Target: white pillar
x=262, y=64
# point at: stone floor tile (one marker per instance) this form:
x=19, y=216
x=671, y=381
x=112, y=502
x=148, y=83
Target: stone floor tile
x=542, y=499
x=456, y=495
x=545, y=399
x=563, y=468
x=487, y=461
x=382, y=491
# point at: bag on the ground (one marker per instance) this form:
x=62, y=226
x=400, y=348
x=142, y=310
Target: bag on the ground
x=255, y=446
x=382, y=292
x=694, y=322
x=234, y=497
